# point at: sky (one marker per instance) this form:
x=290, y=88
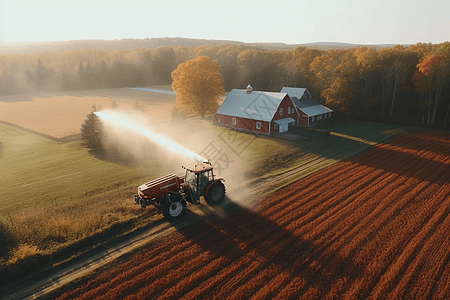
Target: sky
x=285, y=21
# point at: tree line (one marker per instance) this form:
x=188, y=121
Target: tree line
x=408, y=85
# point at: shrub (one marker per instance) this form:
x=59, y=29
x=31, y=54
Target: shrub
x=7, y=238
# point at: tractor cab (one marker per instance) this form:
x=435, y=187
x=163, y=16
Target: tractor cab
x=197, y=178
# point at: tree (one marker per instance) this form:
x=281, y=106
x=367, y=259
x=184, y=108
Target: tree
x=435, y=67
x=164, y=62
x=198, y=85
x=394, y=64
x=325, y=68
x=92, y=132
x=41, y=77
x=258, y=67
x=301, y=74
x=366, y=59
x=336, y=73
x=114, y=105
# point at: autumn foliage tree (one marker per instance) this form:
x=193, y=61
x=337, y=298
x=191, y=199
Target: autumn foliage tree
x=198, y=85
x=433, y=72
x=336, y=72
x=367, y=62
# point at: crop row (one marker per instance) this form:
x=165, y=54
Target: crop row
x=375, y=226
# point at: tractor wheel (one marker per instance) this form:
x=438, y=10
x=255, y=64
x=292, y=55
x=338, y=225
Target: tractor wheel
x=216, y=193
x=174, y=210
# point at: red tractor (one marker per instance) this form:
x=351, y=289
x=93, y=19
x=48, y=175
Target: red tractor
x=171, y=193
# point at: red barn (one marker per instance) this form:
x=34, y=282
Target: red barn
x=263, y=112
x=309, y=111
x=270, y=112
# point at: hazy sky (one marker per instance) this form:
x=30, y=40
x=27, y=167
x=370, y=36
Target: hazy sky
x=287, y=21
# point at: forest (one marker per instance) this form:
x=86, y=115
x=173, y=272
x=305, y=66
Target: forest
x=402, y=84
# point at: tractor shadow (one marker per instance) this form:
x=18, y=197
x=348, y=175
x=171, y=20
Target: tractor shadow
x=233, y=231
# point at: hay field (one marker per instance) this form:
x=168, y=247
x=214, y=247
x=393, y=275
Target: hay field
x=60, y=114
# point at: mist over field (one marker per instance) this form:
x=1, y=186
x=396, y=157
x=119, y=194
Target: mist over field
x=134, y=138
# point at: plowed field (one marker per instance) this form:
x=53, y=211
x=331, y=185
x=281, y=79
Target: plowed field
x=376, y=226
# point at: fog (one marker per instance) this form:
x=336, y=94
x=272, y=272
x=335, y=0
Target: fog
x=166, y=146
x=126, y=123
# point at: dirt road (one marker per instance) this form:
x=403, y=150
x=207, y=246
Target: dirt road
x=194, y=215
x=82, y=268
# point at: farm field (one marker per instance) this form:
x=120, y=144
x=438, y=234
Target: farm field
x=56, y=193
x=37, y=172
x=50, y=173
x=375, y=226
x=78, y=173
x=60, y=114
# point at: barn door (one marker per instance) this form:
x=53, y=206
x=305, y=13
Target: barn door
x=284, y=127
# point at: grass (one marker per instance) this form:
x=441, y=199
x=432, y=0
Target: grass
x=54, y=195
x=309, y=152
x=38, y=172
x=42, y=238
x=66, y=224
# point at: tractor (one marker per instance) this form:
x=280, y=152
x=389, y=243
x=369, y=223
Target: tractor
x=171, y=193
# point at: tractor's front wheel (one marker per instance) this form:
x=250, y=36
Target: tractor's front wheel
x=216, y=193
x=172, y=209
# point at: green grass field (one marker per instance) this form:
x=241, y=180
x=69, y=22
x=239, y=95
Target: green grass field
x=347, y=138
x=37, y=172
x=272, y=157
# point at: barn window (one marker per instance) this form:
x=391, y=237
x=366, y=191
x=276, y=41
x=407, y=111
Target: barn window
x=275, y=126
x=289, y=110
x=233, y=121
x=281, y=111
x=312, y=119
x=325, y=115
x=258, y=125
x=218, y=120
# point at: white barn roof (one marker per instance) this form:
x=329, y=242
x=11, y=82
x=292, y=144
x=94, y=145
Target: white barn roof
x=304, y=102
x=260, y=106
x=285, y=121
x=295, y=92
x=315, y=110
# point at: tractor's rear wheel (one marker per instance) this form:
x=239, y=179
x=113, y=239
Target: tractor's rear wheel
x=216, y=193
x=172, y=209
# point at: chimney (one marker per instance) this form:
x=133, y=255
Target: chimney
x=249, y=89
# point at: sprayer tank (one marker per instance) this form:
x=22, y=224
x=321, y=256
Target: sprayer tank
x=158, y=187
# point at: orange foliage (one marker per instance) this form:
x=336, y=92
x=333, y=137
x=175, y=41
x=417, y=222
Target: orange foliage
x=198, y=84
